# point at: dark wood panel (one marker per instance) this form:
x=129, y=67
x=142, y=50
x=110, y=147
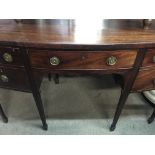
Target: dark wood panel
x=145, y=80
x=74, y=60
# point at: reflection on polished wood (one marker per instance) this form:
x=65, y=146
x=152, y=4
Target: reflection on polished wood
x=81, y=32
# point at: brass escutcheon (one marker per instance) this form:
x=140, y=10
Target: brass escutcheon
x=7, y=57
x=111, y=61
x=54, y=61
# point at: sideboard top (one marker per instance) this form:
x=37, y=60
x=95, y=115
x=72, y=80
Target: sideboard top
x=86, y=33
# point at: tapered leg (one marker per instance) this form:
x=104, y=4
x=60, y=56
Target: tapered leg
x=121, y=103
x=38, y=101
x=35, y=89
x=56, y=78
x=37, y=98
x=151, y=118
x=129, y=79
x=4, y=118
x=49, y=76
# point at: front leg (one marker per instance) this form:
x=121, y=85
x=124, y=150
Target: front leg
x=121, y=103
x=129, y=79
x=34, y=89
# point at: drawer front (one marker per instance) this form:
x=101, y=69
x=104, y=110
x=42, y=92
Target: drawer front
x=14, y=78
x=70, y=60
x=11, y=56
x=145, y=80
x=149, y=59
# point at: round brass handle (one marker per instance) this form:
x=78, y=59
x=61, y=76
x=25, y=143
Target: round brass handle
x=4, y=78
x=7, y=57
x=153, y=59
x=54, y=61
x=111, y=61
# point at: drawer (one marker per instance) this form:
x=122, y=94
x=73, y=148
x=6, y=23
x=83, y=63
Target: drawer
x=145, y=80
x=11, y=56
x=149, y=59
x=82, y=60
x=14, y=78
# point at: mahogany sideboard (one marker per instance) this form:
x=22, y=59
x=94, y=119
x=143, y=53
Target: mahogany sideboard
x=32, y=48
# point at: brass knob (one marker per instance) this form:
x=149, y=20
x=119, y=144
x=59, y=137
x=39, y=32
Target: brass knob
x=111, y=61
x=54, y=61
x=153, y=59
x=4, y=78
x=7, y=57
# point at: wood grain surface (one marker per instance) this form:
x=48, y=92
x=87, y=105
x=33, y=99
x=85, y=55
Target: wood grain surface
x=60, y=34
x=145, y=80
x=73, y=60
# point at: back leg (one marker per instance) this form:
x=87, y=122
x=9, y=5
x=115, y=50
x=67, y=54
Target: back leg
x=4, y=118
x=56, y=78
x=49, y=76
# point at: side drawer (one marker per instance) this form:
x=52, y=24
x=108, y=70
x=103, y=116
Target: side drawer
x=149, y=60
x=82, y=60
x=14, y=78
x=11, y=56
x=145, y=80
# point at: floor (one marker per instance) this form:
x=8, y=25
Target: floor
x=78, y=105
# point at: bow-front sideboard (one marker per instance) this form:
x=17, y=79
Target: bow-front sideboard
x=31, y=49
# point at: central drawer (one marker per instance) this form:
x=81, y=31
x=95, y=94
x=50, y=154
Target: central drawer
x=82, y=60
